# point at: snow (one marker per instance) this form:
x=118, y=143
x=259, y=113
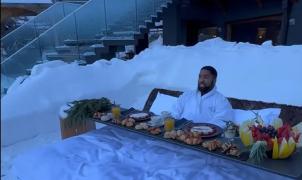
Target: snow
x=157, y=42
x=89, y=53
x=246, y=71
x=267, y=73
x=5, y=82
x=9, y=153
x=97, y=46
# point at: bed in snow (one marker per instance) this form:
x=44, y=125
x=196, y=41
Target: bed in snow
x=289, y=114
x=112, y=153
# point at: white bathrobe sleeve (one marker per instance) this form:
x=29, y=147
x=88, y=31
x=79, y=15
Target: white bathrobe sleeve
x=178, y=107
x=223, y=112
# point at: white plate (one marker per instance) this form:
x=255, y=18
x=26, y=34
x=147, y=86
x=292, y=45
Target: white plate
x=139, y=115
x=202, y=129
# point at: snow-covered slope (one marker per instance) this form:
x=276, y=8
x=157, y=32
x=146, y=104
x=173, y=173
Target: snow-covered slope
x=247, y=71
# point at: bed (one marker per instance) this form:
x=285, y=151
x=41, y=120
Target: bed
x=111, y=153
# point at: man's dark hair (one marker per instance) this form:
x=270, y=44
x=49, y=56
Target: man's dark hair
x=211, y=69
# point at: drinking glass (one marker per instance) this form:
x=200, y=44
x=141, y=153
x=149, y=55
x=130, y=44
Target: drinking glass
x=169, y=124
x=116, y=112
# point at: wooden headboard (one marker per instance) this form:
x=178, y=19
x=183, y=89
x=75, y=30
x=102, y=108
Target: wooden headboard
x=289, y=114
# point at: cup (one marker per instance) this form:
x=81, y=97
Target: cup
x=165, y=114
x=156, y=121
x=116, y=112
x=169, y=124
x=230, y=132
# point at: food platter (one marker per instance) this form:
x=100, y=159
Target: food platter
x=186, y=134
x=207, y=130
x=140, y=116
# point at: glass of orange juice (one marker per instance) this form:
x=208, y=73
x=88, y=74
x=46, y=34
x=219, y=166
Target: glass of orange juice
x=116, y=112
x=169, y=124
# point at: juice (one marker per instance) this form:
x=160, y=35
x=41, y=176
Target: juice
x=169, y=124
x=116, y=112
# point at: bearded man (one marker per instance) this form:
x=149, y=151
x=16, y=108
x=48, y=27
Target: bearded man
x=206, y=104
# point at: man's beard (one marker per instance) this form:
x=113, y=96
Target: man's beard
x=205, y=90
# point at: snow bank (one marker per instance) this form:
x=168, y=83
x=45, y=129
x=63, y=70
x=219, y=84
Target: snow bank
x=267, y=73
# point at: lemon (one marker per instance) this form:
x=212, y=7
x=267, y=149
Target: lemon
x=291, y=145
x=246, y=138
x=284, y=149
x=275, y=148
x=244, y=126
x=245, y=133
x=277, y=123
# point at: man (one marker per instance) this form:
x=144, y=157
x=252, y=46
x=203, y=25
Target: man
x=206, y=104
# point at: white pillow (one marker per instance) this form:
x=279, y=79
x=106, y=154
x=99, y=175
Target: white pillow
x=268, y=115
x=163, y=103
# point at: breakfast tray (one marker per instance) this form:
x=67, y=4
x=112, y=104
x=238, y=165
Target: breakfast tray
x=280, y=167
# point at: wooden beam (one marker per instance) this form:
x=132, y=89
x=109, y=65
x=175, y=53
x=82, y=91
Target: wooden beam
x=268, y=18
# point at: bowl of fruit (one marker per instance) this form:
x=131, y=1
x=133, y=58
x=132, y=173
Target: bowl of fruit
x=275, y=141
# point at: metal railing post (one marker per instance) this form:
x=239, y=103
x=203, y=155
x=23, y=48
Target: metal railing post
x=136, y=23
x=37, y=36
x=77, y=36
x=105, y=11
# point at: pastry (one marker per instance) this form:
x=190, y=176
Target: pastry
x=141, y=126
x=129, y=122
x=154, y=131
x=170, y=134
x=212, y=145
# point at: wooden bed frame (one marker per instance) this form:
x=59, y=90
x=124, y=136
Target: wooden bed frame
x=289, y=114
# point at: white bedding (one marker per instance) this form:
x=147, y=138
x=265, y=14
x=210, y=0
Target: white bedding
x=110, y=153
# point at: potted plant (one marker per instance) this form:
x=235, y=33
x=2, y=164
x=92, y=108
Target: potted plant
x=78, y=114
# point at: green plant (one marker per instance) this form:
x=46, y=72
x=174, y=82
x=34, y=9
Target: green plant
x=80, y=110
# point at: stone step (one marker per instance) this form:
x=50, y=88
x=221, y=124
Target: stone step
x=109, y=49
x=111, y=41
x=149, y=24
x=74, y=49
x=63, y=57
x=116, y=34
x=82, y=42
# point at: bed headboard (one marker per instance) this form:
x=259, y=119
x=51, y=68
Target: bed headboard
x=289, y=114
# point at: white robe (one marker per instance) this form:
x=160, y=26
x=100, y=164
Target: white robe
x=212, y=107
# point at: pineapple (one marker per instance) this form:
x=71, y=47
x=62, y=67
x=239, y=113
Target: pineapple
x=258, y=151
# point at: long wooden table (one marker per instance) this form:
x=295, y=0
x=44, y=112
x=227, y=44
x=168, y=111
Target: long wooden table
x=290, y=167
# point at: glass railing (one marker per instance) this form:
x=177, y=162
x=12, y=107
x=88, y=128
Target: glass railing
x=18, y=38
x=120, y=17
x=95, y=21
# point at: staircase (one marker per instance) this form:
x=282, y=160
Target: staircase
x=105, y=45
x=96, y=30
x=24, y=34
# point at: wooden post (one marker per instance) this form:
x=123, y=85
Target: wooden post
x=229, y=32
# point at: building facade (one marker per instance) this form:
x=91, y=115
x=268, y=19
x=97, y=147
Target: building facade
x=254, y=21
